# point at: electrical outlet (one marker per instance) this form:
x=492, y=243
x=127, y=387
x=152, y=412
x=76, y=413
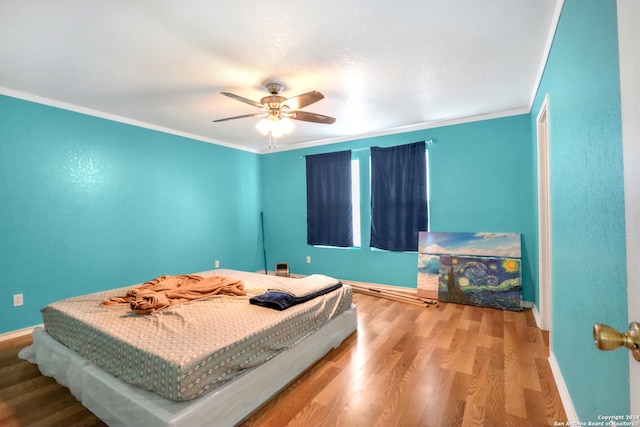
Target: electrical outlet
x=217, y=263
x=18, y=300
x=308, y=259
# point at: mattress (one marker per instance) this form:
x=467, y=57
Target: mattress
x=187, y=350
x=119, y=404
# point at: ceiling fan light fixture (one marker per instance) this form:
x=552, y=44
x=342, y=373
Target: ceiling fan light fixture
x=279, y=112
x=275, y=126
x=287, y=125
x=263, y=126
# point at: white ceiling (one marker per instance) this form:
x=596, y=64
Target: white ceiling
x=382, y=66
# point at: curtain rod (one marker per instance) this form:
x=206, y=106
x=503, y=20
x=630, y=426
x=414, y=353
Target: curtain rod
x=428, y=142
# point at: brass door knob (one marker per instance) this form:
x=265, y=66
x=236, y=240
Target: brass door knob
x=607, y=338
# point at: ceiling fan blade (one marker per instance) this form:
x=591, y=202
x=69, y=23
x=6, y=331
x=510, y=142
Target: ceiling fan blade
x=241, y=117
x=242, y=99
x=312, y=117
x=301, y=101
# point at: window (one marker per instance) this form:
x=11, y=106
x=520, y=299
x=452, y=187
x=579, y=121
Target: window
x=329, y=201
x=333, y=199
x=355, y=201
x=426, y=162
x=355, y=206
x=398, y=196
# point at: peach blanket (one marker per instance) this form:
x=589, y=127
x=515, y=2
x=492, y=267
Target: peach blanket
x=165, y=291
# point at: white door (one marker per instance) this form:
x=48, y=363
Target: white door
x=629, y=47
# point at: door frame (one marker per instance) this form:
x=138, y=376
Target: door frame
x=628, y=35
x=544, y=217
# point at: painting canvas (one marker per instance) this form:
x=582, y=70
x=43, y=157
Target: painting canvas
x=486, y=282
x=491, y=278
x=478, y=244
x=428, y=271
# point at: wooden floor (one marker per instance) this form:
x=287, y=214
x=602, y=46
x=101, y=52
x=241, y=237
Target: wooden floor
x=451, y=365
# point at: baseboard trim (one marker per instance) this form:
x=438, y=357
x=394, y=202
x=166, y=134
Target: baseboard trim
x=572, y=416
x=536, y=315
x=17, y=334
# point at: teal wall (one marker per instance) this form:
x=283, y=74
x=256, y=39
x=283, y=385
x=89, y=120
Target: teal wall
x=90, y=204
x=480, y=177
x=587, y=204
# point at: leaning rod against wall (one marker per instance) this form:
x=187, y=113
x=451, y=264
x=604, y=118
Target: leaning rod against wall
x=264, y=248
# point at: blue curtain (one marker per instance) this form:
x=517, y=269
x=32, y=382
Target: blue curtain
x=329, y=215
x=398, y=196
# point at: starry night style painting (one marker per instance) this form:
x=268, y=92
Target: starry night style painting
x=482, y=269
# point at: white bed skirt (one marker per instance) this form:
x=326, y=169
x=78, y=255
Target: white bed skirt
x=120, y=404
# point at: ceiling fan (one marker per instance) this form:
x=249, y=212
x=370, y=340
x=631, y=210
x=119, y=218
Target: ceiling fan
x=276, y=108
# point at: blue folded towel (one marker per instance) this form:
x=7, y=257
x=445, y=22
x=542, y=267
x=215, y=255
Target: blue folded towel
x=280, y=300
